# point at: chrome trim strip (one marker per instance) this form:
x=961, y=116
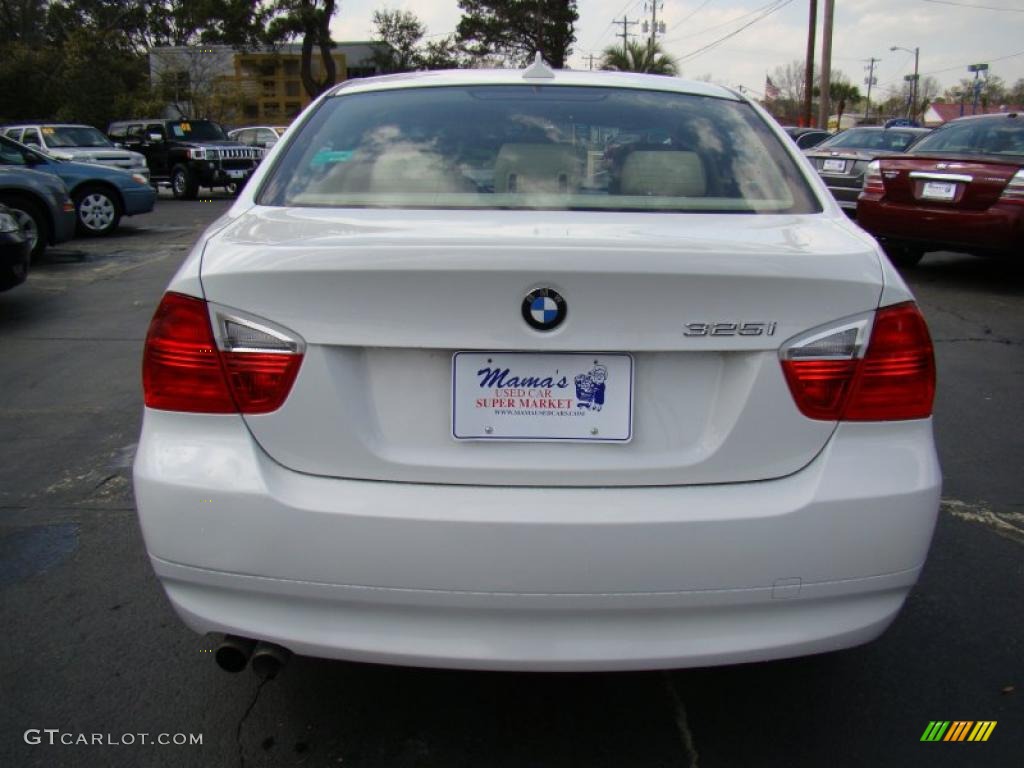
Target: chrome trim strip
x=962, y=177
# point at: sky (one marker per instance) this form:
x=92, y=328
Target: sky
x=949, y=36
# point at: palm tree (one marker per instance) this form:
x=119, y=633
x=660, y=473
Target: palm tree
x=648, y=57
x=841, y=94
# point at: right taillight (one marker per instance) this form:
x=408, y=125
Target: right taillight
x=873, y=183
x=1014, y=191
x=874, y=367
x=235, y=364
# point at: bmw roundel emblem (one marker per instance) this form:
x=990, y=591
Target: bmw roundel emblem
x=544, y=309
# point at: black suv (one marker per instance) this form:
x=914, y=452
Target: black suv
x=188, y=153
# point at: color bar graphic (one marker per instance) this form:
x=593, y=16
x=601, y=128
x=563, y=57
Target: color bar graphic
x=958, y=730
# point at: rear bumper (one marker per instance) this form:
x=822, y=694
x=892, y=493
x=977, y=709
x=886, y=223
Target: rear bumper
x=138, y=200
x=536, y=578
x=998, y=229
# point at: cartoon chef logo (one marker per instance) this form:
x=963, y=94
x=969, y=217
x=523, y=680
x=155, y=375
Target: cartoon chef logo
x=590, y=388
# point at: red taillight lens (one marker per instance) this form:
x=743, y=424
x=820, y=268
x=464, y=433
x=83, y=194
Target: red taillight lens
x=183, y=369
x=260, y=381
x=820, y=387
x=894, y=380
x=897, y=375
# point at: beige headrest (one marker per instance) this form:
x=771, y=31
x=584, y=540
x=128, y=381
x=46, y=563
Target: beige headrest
x=544, y=168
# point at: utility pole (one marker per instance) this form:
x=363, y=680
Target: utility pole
x=809, y=65
x=590, y=59
x=824, y=108
x=869, y=81
x=654, y=19
x=625, y=33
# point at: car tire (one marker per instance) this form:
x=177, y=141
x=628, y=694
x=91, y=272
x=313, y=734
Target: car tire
x=97, y=211
x=184, y=185
x=15, y=274
x=903, y=255
x=32, y=219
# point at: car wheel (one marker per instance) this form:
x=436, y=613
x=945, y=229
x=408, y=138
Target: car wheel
x=903, y=255
x=98, y=211
x=15, y=274
x=183, y=185
x=32, y=220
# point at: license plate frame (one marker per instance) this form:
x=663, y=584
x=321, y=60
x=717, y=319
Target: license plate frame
x=944, y=191
x=542, y=397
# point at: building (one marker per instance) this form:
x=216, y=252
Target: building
x=261, y=85
x=938, y=114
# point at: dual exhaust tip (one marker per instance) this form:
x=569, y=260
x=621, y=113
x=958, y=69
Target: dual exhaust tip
x=234, y=654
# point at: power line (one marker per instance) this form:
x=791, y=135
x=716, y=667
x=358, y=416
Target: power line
x=688, y=16
x=727, y=23
x=977, y=7
x=627, y=7
x=625, y=33
x=775, y=6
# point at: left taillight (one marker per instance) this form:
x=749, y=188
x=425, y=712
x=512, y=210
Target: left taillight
x=208, y=359
x=873, y=182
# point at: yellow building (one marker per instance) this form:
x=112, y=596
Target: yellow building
x=247, y=87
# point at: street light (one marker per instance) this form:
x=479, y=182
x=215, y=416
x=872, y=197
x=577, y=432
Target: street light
x=913, y=88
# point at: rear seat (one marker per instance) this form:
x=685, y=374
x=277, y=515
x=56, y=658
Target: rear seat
x=663, y=174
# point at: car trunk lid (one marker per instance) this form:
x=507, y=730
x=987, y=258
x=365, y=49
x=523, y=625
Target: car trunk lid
x=385, y=299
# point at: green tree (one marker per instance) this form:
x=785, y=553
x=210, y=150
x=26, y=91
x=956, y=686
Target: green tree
x=516, y=29
x=842, y=94
x=443, y=53
x=310, y=20
x=403, y=32
x=647, y=56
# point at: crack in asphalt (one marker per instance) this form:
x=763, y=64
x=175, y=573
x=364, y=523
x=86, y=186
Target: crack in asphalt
x=1003, y=524
x=682, y=724
x=994, y=340
x=241, y=723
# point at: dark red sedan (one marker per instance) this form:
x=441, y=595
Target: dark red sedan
x=959, y=189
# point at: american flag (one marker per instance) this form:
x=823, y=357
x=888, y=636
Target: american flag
x=771, y=91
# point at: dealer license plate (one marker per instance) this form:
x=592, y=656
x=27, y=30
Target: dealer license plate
x=938, y=190
x=236, y=174
x=572, y=396
x=836, y=166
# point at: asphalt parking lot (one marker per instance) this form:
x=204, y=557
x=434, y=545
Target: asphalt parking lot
x=91, y=646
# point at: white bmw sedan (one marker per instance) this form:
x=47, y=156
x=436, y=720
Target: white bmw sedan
x=536, y=370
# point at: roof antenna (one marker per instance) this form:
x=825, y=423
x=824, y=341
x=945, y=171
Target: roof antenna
x=539, y=69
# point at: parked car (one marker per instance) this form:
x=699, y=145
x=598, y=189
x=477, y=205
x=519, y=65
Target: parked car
x=188, y=154
x=15, y=250
x=841, y=160
x=101, y=195
x=39, y=202
x=806, y=138
x=81, y=143
x=672, y=414
x=262, y=136
x=959, y=189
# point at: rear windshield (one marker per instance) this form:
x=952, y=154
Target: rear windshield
x=193, y=130
x=74, y=136
x=538, y=147
x=889, y=140
x=1004, y=136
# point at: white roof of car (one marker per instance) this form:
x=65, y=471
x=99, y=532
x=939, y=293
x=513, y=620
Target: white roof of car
x=516, y=77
